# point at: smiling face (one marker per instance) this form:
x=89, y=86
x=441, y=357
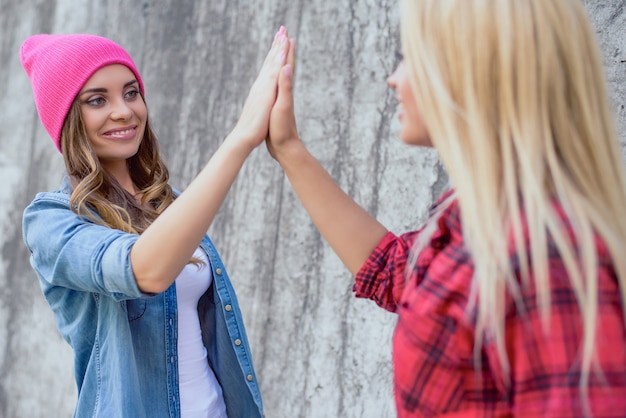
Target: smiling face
x=114, y=115
x=413, y=130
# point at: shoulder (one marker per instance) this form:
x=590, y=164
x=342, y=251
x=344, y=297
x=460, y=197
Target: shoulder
x=49, y=216
x=60, y=195
x=48, y=202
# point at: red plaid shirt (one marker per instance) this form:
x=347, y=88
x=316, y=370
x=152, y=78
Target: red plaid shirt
x=434, y=369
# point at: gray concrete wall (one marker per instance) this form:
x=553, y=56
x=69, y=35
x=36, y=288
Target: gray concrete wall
x=319, y=352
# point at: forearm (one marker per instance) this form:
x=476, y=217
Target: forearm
x=167, y=245
x=350, y=231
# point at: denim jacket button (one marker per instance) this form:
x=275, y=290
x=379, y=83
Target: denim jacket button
x=249, y=377
x=218, y=271
x=228, y=308
x=237, y=342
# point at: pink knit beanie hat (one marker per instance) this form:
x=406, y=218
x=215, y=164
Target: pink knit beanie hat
x=59, y=65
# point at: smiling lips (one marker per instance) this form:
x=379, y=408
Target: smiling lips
x=122, y=133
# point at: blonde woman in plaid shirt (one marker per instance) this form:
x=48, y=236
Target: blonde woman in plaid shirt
x=511, y=298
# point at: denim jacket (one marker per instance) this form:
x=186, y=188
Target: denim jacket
x=124, y=341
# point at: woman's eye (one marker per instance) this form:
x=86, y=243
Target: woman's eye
x=95, y=101
x=132, y=94
x=399, y=57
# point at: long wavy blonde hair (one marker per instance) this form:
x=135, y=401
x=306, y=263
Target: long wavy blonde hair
x=98, y=196
x=513, y=96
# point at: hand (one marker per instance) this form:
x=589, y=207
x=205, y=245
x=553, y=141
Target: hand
x=283, y=129
x=253, y=124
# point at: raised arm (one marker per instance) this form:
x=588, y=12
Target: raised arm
x=167, y=245
x=350, y=231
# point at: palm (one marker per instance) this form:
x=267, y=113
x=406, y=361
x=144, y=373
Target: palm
x=254, y=120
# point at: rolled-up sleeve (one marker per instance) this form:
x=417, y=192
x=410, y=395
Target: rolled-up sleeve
x=383, y=276
x=70, y=251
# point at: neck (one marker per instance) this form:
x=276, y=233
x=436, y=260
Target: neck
x=120, y=172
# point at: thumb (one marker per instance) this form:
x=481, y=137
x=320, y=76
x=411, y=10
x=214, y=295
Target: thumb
x=285, y=88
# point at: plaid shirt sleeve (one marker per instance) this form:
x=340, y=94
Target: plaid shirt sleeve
x=382, y=277
x=435, y=371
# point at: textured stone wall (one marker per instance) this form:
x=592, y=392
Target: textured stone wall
x=319, y=352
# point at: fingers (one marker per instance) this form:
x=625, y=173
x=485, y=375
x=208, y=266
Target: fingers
x=253, y=123
x=284, y=100
x=279, y=49
x=281, y=31
x=291, y=53
x=282, y=44
x=285, y=85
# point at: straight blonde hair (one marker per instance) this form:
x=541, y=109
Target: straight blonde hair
x=513, y=96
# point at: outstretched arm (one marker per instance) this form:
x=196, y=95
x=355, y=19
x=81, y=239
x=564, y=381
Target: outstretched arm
x=349, y=229
x=167, y=245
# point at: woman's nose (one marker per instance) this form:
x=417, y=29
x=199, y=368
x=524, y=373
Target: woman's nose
x=121, y=110
x=392, y=80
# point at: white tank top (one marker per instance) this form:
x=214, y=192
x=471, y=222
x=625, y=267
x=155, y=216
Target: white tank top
x=200, y=392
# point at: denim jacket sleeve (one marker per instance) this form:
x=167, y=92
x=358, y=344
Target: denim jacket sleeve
x=72, y=252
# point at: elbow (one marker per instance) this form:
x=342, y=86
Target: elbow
x=152, y=285
x=156, y=267
x=151, y=278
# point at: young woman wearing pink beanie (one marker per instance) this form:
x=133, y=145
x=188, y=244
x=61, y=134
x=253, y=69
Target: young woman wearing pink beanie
x=136, y=286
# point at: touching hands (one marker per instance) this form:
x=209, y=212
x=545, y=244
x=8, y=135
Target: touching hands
x=253, y=124
x=268, y=112
x=282, y=128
